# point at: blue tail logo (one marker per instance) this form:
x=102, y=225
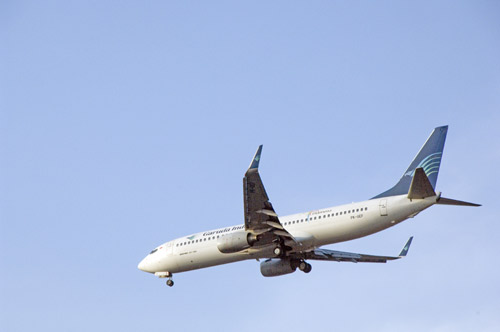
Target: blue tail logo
x=430, y=165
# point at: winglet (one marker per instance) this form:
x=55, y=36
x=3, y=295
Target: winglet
x=406, y=248
x=255, y=161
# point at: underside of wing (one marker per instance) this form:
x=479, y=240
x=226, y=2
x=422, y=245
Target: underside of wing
x=341, y=256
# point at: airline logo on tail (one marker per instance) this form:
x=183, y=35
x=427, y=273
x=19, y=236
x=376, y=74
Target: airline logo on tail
x=430, y=164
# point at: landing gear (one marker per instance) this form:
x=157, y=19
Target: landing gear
x=168, y=275
x=302, y=265
x=305, y=267
x=277, y=251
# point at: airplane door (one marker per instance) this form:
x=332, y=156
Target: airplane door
x=383, y=207
x=169, y=247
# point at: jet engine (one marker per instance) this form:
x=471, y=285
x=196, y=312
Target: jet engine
x=235, y=242
x=277, y=267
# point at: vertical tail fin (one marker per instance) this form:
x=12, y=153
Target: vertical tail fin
x=428, y=158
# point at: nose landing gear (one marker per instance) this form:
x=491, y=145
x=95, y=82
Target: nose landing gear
x=169, y=282
x=166, y=274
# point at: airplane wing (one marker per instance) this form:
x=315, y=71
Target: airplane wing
x=260, y=217
x=340, y=256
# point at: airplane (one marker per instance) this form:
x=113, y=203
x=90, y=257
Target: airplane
x=289, y=242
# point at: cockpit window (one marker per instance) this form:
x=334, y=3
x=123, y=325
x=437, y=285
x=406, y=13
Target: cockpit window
x=154, y=250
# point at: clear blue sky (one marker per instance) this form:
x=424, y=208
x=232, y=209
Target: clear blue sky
x=127, y=124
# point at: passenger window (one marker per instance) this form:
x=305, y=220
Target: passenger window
x=302, y=220
x=319, y=217
x=366, y=209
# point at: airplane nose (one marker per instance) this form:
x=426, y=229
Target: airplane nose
x=143, y=265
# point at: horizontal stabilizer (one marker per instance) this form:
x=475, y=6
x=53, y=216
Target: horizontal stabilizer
x=420, y=185
x=449, y=201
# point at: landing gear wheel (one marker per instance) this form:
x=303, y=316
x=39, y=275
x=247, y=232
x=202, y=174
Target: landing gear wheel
x=303, y=266
x=278, y=251
x=308, y=268
x=170, y=282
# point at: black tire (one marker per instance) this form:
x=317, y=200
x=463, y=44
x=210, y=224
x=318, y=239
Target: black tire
x=278, y=251
x=308, y=268
x=170, y=283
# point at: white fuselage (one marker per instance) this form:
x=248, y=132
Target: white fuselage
x=311, y=230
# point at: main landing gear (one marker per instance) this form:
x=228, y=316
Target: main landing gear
x=305, y=267
x=279, y=248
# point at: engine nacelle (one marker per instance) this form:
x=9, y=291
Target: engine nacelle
x=277, y=267
x=235, y=242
